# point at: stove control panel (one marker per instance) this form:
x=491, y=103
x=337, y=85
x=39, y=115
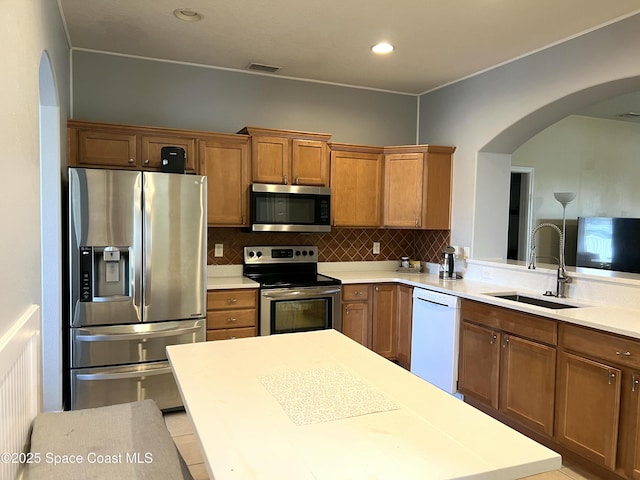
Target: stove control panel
x=272, y=254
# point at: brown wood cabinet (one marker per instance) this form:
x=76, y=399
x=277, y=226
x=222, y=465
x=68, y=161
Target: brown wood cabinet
x=103, y=145
x=405, y=317
x=417, y=187
x=224, y=159
x=356, y=185
x=508, y=363
x=378, y=316
x=288, y=156
x=598, y=398
x=232, y=313
x=385, y=319
x=356, y=313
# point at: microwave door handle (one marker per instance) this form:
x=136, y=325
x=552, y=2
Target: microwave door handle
x=136, y=336
x=123, y=375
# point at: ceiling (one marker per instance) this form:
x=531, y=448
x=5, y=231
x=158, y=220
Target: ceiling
x=437, y=41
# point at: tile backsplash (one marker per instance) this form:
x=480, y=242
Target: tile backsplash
x=340, y=245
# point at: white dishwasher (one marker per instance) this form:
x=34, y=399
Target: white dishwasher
x=434, y=338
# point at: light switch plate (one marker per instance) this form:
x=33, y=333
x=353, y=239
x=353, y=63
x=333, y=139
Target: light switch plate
x=218, y=250
x=376, y=248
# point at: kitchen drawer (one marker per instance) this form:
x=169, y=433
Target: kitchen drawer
x=231, y=333
x=512, y=321
x=227, y=299
x=607, y=347
x=232, y=318
x=356, y=292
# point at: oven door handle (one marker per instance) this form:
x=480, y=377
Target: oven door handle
x=301, y=293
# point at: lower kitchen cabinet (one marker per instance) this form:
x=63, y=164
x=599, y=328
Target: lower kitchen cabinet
x=405, y=313
x=232, y=313
x=479, y=364
x=384, y=320
x=598, y=398
x=589, y=408
x=508, y=363
x=378, y=316
x=356, y=313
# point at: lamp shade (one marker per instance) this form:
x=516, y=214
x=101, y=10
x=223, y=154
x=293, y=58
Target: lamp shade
x=564, y=197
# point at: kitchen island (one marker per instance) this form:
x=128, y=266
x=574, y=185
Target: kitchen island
x=317, y=405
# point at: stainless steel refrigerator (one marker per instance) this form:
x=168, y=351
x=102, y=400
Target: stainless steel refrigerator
x=137, y=258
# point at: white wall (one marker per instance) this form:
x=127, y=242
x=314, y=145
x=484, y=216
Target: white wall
x=27, y=29
x=499, y=110
x=594, y=157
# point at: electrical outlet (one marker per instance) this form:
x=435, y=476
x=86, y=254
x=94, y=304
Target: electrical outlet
x=218, y=250
x=376, y=248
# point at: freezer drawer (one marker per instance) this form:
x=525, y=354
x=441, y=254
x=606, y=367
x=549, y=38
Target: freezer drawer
x=97, y=387
x=125, y=344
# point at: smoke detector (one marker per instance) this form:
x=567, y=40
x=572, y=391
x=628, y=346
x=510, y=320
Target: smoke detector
x=261, y=67
x=187, y=15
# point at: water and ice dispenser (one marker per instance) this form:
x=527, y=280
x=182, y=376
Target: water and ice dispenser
x=104, y=273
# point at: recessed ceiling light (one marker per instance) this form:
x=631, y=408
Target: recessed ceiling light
x=187, y=15
x=382, y=48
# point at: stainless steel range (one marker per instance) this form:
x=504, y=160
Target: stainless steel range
x=294, y=297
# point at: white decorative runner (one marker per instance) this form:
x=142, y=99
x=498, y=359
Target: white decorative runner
x=324, y=394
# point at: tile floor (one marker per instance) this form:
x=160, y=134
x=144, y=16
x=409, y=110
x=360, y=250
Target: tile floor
x=183, y=435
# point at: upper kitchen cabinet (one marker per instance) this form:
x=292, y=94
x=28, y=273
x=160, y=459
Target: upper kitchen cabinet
x=417, y=187
x=356, y=185
x=288, y=156
x=224, y=159
x=102, y=145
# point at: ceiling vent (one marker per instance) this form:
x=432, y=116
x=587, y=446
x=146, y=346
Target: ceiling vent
x=632, y=115
x=260, y=67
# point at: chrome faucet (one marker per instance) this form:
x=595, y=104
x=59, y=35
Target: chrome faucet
x=562, y=278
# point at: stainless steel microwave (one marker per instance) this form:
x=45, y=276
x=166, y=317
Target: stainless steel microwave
x=290, y=208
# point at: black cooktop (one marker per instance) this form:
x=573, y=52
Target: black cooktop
x=284, y=267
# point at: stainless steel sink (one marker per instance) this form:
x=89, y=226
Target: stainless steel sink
x=533, y=301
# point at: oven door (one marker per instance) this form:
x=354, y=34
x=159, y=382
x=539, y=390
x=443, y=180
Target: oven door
x=300, y=309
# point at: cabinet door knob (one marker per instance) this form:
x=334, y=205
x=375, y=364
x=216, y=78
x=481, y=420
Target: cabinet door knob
x=493, y=338
x=346, y=310
x=284, y=179
x=146, y=162
x=417, y=225
x=131, y=160
x=297, y=180
x=626, y=354
x=634, y=383
x=612, y=375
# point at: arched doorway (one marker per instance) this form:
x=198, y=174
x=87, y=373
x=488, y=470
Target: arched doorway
x=50, y=237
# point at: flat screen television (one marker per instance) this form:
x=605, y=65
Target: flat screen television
x=609, y=243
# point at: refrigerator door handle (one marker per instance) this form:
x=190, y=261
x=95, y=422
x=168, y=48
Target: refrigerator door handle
x=147, y=244
x=136, y=336
x=120, y=376
x=137, y=248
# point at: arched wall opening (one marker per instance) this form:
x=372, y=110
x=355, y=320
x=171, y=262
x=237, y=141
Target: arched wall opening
x=494, y=163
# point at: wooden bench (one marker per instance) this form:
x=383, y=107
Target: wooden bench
x=126, y=441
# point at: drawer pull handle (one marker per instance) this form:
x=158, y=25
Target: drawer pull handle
x=232, y=320
x=357, y=293
x=232, y=300
x=626, y=354
x=493, y=338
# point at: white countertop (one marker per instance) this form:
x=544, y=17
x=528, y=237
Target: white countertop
x=255, y=419
x=623, y=321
